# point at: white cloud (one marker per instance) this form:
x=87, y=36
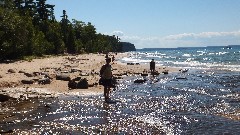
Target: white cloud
x=117, y=33
x=181, y=40
x=202, y=35
x=185, y=40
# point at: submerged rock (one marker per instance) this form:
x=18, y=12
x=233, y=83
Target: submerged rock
x=140, y=81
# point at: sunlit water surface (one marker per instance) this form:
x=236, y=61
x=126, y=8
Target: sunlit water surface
x=197, y=102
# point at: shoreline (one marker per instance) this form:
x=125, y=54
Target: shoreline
x=84, y=66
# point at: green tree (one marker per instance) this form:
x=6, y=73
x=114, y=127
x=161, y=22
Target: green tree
x=16, y=31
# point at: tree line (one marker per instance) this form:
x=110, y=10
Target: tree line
x=29, y=28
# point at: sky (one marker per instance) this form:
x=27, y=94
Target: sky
x=159, y=23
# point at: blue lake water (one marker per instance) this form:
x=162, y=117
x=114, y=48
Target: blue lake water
x=205, y=100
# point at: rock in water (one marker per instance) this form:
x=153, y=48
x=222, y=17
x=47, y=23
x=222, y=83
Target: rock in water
x=140, y=81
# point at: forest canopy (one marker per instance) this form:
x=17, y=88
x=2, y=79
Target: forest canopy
x=29, y=28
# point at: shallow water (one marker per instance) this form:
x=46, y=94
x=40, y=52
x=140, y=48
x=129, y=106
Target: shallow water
x=198, y=102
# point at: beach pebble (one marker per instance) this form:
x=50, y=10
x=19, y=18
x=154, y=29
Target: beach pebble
x=21, y=71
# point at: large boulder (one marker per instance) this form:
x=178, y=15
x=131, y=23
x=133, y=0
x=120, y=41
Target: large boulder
x=72, y=84
x=82, y=84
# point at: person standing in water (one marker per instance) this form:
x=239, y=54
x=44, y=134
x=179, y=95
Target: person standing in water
x=152, y=66
x=106, y=76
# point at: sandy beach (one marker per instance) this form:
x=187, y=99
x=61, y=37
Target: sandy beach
x=13, y=75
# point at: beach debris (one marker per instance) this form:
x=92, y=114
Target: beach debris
x=140, y=81
x=4, y=98
x=1, y=76
x=11, y=71
x=27, y=81
x=63, y=77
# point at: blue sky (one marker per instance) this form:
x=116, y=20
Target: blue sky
x=159, y=23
